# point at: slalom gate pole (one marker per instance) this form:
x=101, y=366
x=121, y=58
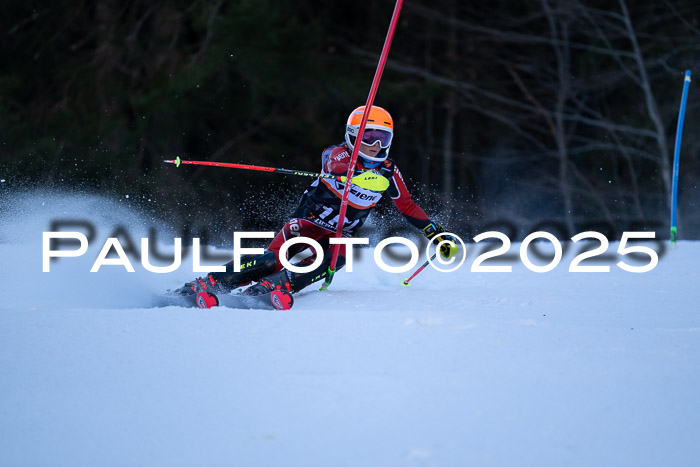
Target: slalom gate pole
x=425, y=265
x=677, y=157
x=358, y=140
x=370, y=181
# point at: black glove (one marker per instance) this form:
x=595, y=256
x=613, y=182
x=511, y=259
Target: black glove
x=447, y=249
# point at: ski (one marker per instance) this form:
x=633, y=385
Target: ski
x=276, y=300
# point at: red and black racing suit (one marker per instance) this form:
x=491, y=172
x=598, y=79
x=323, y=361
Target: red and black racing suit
x=317, y=214
x=316, y=217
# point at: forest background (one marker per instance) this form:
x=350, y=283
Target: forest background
x=511, y=116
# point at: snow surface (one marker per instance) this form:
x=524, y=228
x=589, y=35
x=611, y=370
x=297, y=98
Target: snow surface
x=487, y=369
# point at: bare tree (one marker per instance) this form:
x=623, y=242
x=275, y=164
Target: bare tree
x=573, y=68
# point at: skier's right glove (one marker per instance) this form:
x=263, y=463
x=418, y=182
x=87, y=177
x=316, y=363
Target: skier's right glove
x=447, y=249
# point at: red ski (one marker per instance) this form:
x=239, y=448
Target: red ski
x=276, y=300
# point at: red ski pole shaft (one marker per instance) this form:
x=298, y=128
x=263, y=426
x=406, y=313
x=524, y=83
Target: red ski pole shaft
x=177, y=161
x=425, y=265
x=360, y=134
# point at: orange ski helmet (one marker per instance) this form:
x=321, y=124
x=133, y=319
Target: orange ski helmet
x=380, y=127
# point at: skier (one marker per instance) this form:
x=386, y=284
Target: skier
x=316, y=216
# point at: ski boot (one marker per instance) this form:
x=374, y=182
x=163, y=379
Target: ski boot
x=293, y=282
x=277, y=281
x=252, y=268
x=200, y=284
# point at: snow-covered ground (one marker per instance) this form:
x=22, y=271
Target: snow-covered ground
x=465, y=368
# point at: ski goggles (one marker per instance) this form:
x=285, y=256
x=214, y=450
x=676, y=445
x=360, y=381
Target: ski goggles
x=372, y=135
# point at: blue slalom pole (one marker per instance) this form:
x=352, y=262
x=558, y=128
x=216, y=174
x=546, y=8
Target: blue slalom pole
x=677, y=157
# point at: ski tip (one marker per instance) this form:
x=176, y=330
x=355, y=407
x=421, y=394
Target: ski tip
x=281, y=299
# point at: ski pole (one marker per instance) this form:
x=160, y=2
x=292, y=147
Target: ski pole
x=425, y=265
x=370, y=180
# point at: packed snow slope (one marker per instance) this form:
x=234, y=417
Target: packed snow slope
x=464, y=368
